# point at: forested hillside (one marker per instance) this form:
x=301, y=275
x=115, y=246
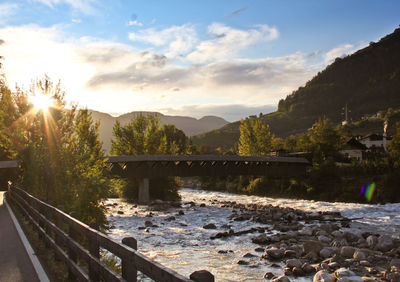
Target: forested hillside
x=367, y=81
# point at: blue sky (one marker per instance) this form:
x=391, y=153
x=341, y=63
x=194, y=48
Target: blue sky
x=230, y=58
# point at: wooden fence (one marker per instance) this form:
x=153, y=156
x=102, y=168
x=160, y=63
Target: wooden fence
x=78, y=245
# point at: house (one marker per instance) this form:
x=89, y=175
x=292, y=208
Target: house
x=354, y=149
x=375, y=141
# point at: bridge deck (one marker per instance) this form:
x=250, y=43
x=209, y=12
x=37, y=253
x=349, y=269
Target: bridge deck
x=152, y=166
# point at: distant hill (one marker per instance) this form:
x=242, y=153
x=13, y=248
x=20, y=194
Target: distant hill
x=189, y=125
x=367, y=81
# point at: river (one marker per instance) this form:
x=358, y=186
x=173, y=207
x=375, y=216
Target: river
x=185, y=246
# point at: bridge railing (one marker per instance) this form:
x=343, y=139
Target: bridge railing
x=78, y=245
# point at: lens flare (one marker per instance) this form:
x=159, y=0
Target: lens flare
x=368, y=192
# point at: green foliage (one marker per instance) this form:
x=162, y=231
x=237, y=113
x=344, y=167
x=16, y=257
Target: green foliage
x=325, y=141
x=255, y=138
x=142, y=135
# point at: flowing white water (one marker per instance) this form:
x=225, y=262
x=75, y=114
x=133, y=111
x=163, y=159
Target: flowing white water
x=185, y=246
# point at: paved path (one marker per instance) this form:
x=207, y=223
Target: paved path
x=15, y=264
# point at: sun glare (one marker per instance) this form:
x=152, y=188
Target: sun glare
x=42, y=102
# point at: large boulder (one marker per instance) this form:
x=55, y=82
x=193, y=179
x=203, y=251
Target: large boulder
x=323, y=276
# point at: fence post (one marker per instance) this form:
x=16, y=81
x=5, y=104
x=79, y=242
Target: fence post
x=129, y=270
x=94, y=250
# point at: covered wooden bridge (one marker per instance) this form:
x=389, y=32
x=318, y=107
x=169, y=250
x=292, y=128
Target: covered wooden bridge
x=144, y=167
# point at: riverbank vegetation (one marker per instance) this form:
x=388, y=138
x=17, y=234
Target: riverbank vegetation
x=332, y=176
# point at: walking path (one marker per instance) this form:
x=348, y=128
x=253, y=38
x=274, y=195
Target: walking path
x=17, y=261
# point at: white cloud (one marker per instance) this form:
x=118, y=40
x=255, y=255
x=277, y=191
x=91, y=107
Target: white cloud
x=84, y=6
x=76, y=20
x=176, y=40
x=7, y=10
x=111, y=77
x=228, y=42
x=134, y=23
x=338, y=52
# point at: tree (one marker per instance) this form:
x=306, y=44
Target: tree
x=61, y=155
x=325, y=141
x=255, y=138
x=142, y=135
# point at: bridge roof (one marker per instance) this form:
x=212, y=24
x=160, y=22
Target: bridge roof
x=8, y=164
x=199, y=158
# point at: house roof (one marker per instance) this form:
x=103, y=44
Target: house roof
x=353, y=144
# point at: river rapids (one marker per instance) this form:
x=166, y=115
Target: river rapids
x=179, y=241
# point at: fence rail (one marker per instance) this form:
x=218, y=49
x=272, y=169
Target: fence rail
x=78, y=245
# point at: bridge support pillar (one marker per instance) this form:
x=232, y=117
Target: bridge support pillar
x=144, y=194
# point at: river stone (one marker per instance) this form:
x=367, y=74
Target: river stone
x=243, y=262
x=392, y=276
x=324, y=239
x=210, y=226
x=282, y=278
x=274, y=253
x=326, y=252
x=385, y=243
x=261, y=239
x=372, y=241
x=312, y=257
x=343, y=272
x=293, y=263
x=359, y=255
x=352, y=236
x=249, y=255
x=290, y=254
x=307, y=231
x=337, y=234
x=312, y=246
x=365, y=263
x=297, y=271
x=308, y=268
x=395, y=262
x=269, y=275
x=323, y=276
x=347, y=251
x=202, y=276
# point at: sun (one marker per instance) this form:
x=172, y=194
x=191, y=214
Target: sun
x=42, y=102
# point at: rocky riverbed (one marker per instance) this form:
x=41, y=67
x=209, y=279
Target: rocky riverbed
x=251, y=238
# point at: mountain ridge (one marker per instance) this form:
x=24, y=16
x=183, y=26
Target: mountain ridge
x=367, y=81
x=190, y=125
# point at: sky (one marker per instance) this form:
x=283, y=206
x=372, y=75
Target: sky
x=230, y=58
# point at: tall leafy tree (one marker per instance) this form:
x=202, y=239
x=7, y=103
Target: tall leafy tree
x=255, y=138
x=142, y=135
x=61, y=155
x=325, y=141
